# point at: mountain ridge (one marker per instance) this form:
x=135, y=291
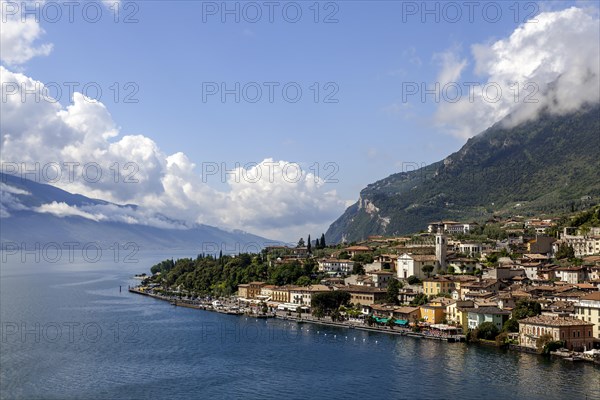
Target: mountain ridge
x=537, y=166
x=25, y=223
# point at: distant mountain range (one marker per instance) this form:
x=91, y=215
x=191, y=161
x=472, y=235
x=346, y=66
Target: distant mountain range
x=548, y=165
x=35, y=213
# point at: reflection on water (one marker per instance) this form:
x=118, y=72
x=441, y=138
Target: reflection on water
x=118, y=345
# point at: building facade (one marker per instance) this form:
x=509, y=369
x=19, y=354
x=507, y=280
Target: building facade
x=575, y=333
x=412, y=264
x=496, y=316
x=588, y=309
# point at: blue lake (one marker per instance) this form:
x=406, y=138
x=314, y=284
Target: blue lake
x=69, y=333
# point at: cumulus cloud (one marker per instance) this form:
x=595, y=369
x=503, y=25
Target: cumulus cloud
x=79, y=148
x=551, y=65
x=19, y=39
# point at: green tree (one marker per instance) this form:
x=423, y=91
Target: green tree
x=491, y=260
x=427, y=269
x=366, y=258
x=511, y=325
x=335, y=315
x=502, y=339
x=323, y=245
x=358, y=269
x=303, y=281
x=329, y=301
x=308, y=245
x=393, y=290
x=526, y=308
x=419, y=300
x=487, y=331
x=413, y=280
x=546, y=344
x=301, y=242
x=317, y=244
x=318, y=313
x=565, y=251
x=391, y=322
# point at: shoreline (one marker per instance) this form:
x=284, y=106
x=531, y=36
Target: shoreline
x=386, y=330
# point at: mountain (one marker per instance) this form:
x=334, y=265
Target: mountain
x=35, y=213
x=547, y=165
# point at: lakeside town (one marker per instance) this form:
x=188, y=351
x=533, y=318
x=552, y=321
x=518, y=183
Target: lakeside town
x=528, y=284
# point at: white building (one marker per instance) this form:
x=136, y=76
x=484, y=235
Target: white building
x=333, y=265
x=531, y=271
x=572, y=275
x=412, y=264
x=583, y=245
x=381, y=279
x=451, y=227
x=303, y=294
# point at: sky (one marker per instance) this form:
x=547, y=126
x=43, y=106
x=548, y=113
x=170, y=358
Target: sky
x=270, y=117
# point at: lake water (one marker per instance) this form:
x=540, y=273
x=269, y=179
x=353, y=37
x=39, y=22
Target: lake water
x=68, y=333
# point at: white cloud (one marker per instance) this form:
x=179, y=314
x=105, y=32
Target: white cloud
x=562, y=48
x=451, y=65
x=269, y=198
x=18, y=42
x=64, y=210
x=4, y=188
x=9, y=199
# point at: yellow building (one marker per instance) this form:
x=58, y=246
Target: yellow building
x=436, y=285
x=457, y=312
x=588, y=309
x=281, y=294
x=267, y=290
x=365, y=295
x=460, y=281
x=434, y=312
x=243, y=290
x=250, y=290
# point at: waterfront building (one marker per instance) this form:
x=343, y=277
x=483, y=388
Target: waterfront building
x=250, y=290
x=588, y=309
x=575, y=333
x=303, y=294
x=365, y=295
x=434, y=312
x=478, y=316
x=457, y=312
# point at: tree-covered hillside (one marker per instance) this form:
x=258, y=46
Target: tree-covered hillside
x=549, y=165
